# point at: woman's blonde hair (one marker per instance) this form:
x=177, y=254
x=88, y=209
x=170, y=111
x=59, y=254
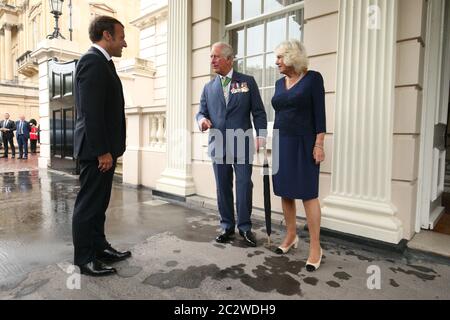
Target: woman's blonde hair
x=294, y=54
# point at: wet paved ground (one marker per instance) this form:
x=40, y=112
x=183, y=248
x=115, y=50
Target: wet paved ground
x=174, y=256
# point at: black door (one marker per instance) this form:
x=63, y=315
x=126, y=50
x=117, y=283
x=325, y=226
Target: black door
x=62, y=115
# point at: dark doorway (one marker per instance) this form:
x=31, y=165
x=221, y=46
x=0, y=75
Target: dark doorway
x=443, y=224
x=62, y=115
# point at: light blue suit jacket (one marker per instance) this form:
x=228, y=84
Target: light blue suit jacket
x=227, y=118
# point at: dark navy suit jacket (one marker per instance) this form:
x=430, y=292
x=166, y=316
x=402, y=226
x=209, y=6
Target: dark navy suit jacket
x=100, y=124
x=26, y=129
x=242, y=105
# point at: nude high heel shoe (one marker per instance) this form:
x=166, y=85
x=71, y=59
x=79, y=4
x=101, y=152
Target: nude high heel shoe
x=311, y=267
x=284, y=250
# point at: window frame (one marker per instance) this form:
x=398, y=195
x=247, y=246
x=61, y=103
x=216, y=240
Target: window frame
x=262, y=19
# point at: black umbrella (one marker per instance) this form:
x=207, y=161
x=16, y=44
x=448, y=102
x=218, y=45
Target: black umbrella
x=267, y=204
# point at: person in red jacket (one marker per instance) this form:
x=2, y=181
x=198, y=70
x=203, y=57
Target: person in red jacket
x=34, y=133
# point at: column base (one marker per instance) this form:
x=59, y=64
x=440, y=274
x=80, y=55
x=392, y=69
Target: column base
x=176, y=182
x=370, y=219
x=43, y=163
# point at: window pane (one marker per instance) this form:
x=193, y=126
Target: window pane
x=276, y=32
x=234, y=8
x=255, y=40
x=237, y=42
x=272, y=5
x=252, y=8
x=255, y=68
x=272, y=73
x=289, y=2
x=239, y=65
x=295, y=25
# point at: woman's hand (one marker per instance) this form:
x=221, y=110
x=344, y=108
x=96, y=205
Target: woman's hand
x=318, y=154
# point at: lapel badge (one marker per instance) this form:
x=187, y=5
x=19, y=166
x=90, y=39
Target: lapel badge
x=235, y=87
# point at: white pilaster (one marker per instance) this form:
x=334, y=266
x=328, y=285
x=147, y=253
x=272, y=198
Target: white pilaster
x=177, y=178
x=64, y=50
x=360, y=198
x=2, y=54
x=8, y=57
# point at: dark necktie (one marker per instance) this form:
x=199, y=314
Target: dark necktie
x=111, y=65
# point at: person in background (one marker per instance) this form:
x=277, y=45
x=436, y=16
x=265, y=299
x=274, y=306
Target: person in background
x=33, y=135
x=23, y=134
x=7, y=128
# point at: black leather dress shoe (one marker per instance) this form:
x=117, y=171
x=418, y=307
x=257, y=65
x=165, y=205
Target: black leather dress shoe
x=96, y=268
x=112, y=255
x=226, y=236
x=249, y=238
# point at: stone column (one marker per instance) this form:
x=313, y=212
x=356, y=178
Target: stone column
x=64, y=51
x=8, y=48
x=177, y=178
x=2, y=54
x=360, y=198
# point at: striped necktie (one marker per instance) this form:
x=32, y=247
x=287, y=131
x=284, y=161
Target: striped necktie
x=225, y=82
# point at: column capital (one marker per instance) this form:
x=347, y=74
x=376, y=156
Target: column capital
x=7, y=26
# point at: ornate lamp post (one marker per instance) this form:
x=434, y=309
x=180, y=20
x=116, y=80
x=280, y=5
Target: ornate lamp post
x=56, y=6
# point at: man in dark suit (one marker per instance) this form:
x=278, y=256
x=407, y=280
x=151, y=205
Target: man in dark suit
x=99, y=141
x=226, y=106
x=22, y=136
x=7, y=127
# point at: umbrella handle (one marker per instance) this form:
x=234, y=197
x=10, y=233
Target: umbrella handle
x=265, y=154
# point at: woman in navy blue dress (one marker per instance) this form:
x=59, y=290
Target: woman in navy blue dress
x=299, y=132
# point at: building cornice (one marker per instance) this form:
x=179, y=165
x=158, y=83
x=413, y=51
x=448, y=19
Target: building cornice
x=7, y=8
x=33, y=9
x=102, y=6
x=150, y=17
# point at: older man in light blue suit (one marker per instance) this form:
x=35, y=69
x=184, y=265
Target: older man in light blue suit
x=227, y=104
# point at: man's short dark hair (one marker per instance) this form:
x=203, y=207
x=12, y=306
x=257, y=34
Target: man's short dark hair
x=100, y=24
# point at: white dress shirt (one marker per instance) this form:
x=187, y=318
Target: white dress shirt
x=230, y=76
x=105, y=53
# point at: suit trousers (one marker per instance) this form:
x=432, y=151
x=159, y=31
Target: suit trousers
x=244, y=192
x=88, y=224
x=33, y=145
x=8, y=140
x=23, y=145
